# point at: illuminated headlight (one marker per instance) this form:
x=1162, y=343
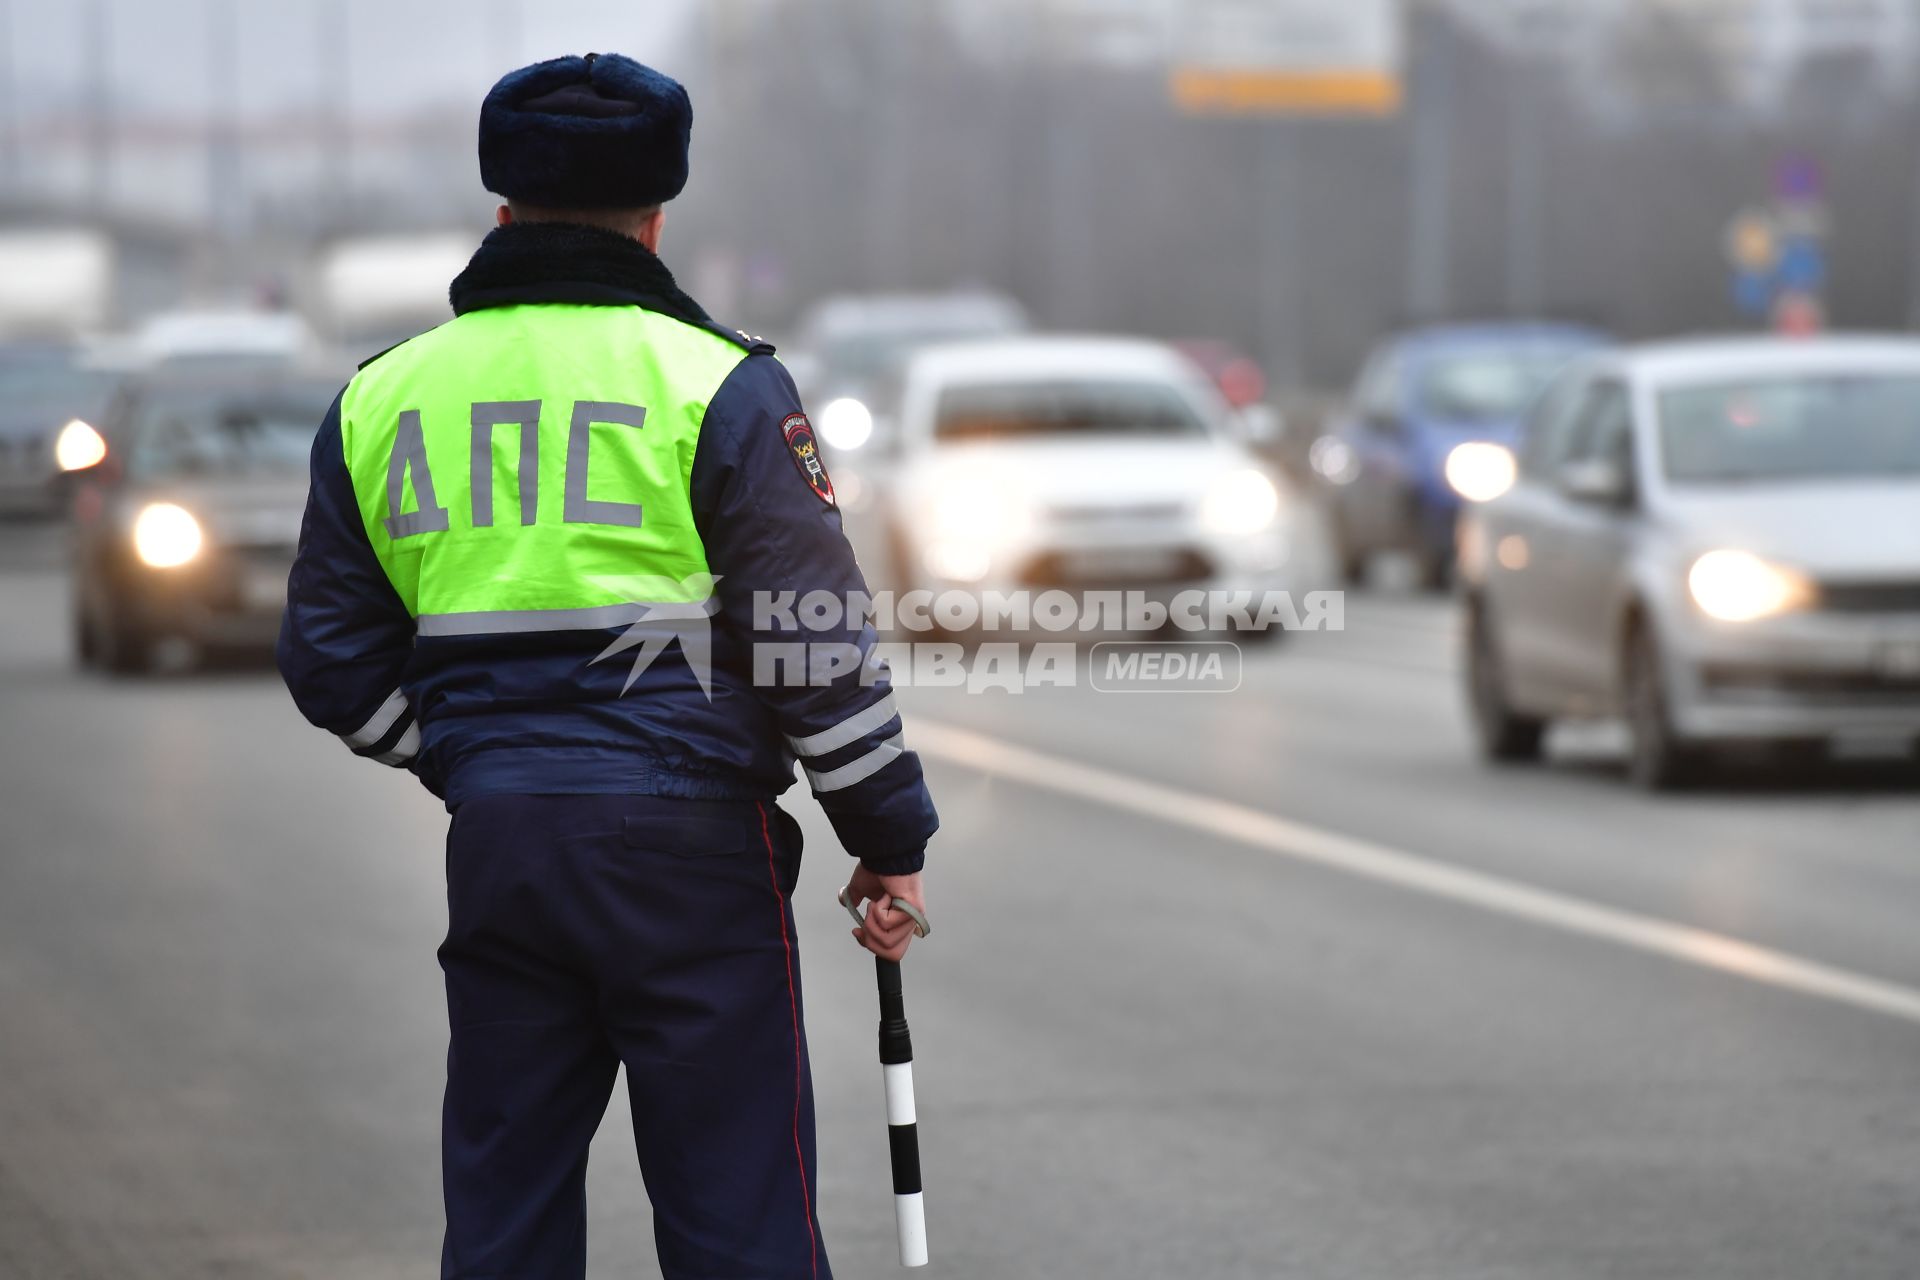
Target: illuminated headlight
x=1239, y=504
x=846, y=424
x=1480, y=471
x=1738, y=586
x=957, y=561
x=975, y=513
x=79, y=446
x=166, y=536
x=985, y=508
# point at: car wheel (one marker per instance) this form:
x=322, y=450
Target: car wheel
x=1659, y=759
x=1504, y=735
x=1803, y=755
x=1352, y=561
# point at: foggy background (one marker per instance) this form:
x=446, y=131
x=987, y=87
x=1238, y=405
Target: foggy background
x=1352, y=965
x=1558, y=157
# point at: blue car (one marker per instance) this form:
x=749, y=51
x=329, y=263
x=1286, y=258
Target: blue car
x=1430, y=425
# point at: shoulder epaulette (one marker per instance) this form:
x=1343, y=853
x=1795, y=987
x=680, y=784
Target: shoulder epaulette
x=754, y=344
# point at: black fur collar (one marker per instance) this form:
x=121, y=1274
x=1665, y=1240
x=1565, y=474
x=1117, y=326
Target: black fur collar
x=564, y=262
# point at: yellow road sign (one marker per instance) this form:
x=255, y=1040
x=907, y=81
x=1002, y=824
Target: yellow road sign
x=1254, y=91
x=1288, y=57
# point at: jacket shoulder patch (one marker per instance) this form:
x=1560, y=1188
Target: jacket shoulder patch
x=805, y=450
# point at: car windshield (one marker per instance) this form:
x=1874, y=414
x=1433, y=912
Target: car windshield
x=990, y=411
x=1785, y=429
x=879, y=354
x=1489, y=384
x=51, y=389
x=226, y=430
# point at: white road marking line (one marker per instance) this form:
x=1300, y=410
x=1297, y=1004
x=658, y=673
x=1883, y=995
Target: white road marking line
x=1278, y=836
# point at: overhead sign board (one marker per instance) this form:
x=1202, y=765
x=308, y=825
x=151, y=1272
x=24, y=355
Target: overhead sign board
x=1288, y=57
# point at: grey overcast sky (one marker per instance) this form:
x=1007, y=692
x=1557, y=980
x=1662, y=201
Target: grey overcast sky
x=404, y=53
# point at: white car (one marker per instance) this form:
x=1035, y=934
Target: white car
x=1718, y=540
x=232, y=337
x=1077, y=463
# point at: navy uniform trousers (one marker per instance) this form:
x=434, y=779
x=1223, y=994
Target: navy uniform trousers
x=591, y=931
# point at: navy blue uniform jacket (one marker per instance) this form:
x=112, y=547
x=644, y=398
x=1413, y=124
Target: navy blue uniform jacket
x=535, y=713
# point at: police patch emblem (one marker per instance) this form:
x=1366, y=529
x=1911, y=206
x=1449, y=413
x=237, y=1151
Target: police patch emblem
x=806, y=456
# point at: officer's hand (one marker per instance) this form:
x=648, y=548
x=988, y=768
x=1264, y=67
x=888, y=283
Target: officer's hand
x=888, y=930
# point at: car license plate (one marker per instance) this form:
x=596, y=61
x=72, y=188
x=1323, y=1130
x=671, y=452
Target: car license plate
x=264, y=590
x=1899, y=660
x=1111, y=566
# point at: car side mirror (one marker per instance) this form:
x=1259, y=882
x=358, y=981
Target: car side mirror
x=1600, y=481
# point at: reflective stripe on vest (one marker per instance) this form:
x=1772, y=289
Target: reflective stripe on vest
x=536, y=460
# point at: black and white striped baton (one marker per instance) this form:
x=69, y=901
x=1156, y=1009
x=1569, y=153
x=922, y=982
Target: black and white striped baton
x=896, y=1066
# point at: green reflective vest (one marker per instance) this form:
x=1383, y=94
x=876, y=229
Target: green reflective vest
x=527, y=467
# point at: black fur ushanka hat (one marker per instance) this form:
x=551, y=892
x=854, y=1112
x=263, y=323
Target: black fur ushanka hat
x=599, y=132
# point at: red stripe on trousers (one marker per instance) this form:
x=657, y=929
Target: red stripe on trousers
x=793, y=1005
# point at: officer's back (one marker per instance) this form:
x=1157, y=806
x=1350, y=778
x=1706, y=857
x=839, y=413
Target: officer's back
x=538, y=569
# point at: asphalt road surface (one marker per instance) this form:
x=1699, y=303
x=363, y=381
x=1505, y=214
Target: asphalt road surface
x=1276, y=983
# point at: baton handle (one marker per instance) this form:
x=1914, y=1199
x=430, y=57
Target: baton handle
x=896, y=1039
x=903, y=1133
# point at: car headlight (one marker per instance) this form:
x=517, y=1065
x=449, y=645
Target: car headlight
x=166, y=536
x=846, y=423
x=957, y=561
x=1480, y=470
x=1738, y=586
x=79, y=446
x=980, y=503
x=1240, y=503
x=975, y=511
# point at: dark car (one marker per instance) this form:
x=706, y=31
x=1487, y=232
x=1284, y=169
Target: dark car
x=186, y=530
x=1430, y=425
x=44, y=390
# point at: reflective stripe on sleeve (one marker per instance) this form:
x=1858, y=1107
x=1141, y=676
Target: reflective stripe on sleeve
x=862, y=769
x=597, y=618
x=403, y=750
x=379, y=723
x=852, y=729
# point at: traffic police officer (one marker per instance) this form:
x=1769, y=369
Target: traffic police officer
x=528, y=574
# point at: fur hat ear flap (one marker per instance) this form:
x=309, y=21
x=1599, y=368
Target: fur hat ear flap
x=594, y=132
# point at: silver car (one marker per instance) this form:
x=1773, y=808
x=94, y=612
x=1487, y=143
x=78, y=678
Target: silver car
x=1718, y=541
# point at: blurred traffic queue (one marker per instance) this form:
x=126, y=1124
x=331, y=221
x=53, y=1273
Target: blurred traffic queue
x=179, y=447
x=969, y=453
x=60, y=359
x=184, y=528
